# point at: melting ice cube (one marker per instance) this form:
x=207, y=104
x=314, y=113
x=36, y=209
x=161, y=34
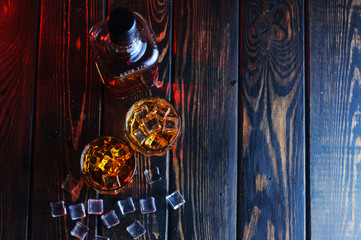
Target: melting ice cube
x=126, y=205
x=147, y=205
x=136, y=229
x=175, y=199
x=110, y=219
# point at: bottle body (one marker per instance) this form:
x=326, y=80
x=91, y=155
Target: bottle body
x=127, y=68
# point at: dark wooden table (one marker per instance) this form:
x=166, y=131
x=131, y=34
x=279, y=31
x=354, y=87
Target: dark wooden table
x=269, y=93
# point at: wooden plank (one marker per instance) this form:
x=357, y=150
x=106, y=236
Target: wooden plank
x=205, y=92
x=158, y=15
x=335, y=119
x=273, y=160
x=67, y=111
x=18, y=41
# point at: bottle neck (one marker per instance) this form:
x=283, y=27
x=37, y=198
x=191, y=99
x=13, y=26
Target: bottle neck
x=131, y=50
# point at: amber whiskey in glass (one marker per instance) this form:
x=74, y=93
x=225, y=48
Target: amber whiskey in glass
x=126, y=55
x=107, y=164
x=152, y=126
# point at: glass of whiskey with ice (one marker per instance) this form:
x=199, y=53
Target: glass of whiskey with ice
x=107, y=164
x=152, y=126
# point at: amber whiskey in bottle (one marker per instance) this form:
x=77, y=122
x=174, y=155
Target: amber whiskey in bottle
x=125, y=52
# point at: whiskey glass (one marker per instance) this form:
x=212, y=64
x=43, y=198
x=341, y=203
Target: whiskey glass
x=107, y=164
x=152, y=126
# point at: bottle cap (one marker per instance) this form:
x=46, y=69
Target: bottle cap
x=122, y=25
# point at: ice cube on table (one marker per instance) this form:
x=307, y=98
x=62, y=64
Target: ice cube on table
x=147, y=205
x=77, y=211
x=58, y=209
x=70, y=184
x=152, y=175
x=136, y=229
x=79, y=231
x=126, y=206
x=110, y=219
x=175, y=199
x=101, y=238
x=95, y=206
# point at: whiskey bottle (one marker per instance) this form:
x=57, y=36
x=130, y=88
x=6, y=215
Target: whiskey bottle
x=125, y=52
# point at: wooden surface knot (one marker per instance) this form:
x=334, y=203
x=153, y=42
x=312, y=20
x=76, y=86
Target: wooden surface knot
x=270, y=22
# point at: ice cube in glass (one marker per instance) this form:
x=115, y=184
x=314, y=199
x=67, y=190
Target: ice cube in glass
x=110, y=219
x=136, y=229
x=175, y=199
x=70, y=184
x=147, y=205
x=77, y=211
x=111, y=181
x=170, y=124
x=95, y=206
x=117, y=152
x=139, y=136
x=104, y=164
x=79, y=231
x=126, y=206
x=152, y=124
x=141, y=113
x=160, y=110
x=58, y=209
x=152, y=175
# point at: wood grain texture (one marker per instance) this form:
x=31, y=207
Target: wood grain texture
x=67, y=111
x=158, y=15
x=335, y=119
x=273, y=165
x=17, y=77
x=205, y=92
